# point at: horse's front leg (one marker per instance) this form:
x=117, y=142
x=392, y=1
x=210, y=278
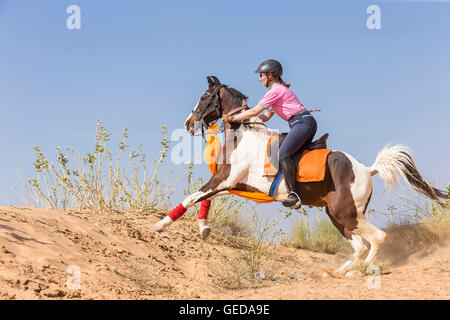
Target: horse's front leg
x=208, y=191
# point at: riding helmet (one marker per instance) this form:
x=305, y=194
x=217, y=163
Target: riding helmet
x=270, y=65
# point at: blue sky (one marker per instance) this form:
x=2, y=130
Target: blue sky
x=142, y=64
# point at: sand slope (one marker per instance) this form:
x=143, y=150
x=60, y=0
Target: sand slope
x=118, y=257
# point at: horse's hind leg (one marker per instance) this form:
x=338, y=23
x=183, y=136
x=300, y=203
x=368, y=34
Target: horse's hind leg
x=347, y=201
x=360, y=249
x=361, y=191
x=358, y=244
x=373, y=235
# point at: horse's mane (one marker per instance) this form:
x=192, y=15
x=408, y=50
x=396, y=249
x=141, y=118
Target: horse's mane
x=261, y=128
x=236, y=93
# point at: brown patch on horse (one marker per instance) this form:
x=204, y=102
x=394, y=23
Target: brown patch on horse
x=334, y=193
x=223, y=169
x=341, y=205
x=246, y=187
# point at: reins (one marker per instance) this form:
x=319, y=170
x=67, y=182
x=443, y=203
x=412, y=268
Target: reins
x=214, y=100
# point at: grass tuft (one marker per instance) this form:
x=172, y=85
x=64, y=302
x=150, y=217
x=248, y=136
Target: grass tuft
x=323, y=238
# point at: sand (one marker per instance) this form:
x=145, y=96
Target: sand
x=50, y=254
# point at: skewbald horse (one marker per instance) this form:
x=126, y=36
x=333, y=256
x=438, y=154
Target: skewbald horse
x=345, y=192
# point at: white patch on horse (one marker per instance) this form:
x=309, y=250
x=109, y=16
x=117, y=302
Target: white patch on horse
x=360, y=249
x=188, y=120
x=361, y=189
x=247, y=162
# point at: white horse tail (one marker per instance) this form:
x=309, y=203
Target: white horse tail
x=396, y=160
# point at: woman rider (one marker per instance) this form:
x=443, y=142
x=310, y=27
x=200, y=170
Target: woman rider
x=281, y=100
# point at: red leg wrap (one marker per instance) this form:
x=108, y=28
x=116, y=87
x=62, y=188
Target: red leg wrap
x=177, y=212
x=204, y=209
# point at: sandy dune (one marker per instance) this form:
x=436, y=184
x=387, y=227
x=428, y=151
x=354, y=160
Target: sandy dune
x=48, y=254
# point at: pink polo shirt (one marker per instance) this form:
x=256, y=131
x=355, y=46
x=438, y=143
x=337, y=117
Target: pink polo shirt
x=282, y=101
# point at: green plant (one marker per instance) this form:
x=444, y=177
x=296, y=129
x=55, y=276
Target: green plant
x=323, y=238
x=260, y=237
x=252, y=263
x=373, y=269
x=97, y=181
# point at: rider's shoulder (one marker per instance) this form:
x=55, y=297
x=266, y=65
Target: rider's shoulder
x=278, y=87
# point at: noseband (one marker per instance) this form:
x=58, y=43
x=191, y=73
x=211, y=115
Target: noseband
x=205, y=110
x=213, y=105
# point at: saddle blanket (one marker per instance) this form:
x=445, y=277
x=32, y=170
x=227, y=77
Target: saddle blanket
x=310, y=168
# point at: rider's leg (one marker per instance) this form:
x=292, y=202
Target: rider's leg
x=288, y=170
x=303, y=129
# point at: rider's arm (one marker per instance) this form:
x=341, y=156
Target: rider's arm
x=266, y=116
x=253, y=112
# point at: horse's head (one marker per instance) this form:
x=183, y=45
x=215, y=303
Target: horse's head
x=208, y=109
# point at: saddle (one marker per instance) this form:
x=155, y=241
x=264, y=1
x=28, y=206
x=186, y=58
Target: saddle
x=310, y=161
x=320, y=143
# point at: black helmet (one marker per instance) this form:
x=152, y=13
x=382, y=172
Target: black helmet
x=270, y=65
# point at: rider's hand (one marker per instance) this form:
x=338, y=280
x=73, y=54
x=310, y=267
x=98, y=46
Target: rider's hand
x=227, y=118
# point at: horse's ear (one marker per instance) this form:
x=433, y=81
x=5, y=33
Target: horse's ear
x=210, y=81
x=216, y=81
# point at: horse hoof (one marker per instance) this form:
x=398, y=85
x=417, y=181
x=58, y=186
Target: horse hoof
x=204, y=232
x=157, y=227
x=350, y=274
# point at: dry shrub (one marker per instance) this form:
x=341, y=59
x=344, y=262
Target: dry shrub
x=254, y=263
x=373, y=269
x=421, y=238
x=323, y=238
x=97, y=181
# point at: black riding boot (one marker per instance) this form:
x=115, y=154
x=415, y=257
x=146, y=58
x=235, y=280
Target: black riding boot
x=287, y=168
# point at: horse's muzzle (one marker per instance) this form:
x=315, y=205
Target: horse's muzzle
x=189, y=124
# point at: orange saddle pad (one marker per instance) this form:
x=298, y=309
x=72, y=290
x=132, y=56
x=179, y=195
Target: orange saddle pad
x=311, y=168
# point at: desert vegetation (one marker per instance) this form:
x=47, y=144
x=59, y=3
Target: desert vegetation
x=97, y=181
x=110, y=181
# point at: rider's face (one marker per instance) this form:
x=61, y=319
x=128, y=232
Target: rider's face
x=263, y=78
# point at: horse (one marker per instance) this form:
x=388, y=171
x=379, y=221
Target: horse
x=345, y=191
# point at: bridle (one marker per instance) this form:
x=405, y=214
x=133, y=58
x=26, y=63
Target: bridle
x=213, y=105
x=202, y=112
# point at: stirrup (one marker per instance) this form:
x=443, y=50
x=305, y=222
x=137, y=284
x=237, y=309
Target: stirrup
x=296, y=205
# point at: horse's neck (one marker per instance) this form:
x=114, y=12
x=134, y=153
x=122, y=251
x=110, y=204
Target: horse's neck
x=255, y=128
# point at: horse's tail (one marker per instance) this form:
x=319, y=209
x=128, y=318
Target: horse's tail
x=394, y=160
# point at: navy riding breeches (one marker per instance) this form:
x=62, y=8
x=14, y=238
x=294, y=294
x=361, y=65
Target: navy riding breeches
x=303, y=128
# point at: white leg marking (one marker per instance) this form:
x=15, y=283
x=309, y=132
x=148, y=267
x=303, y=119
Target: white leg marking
x=360, y=249
x=361, y=189
x=205, y=229
x=161, y=225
